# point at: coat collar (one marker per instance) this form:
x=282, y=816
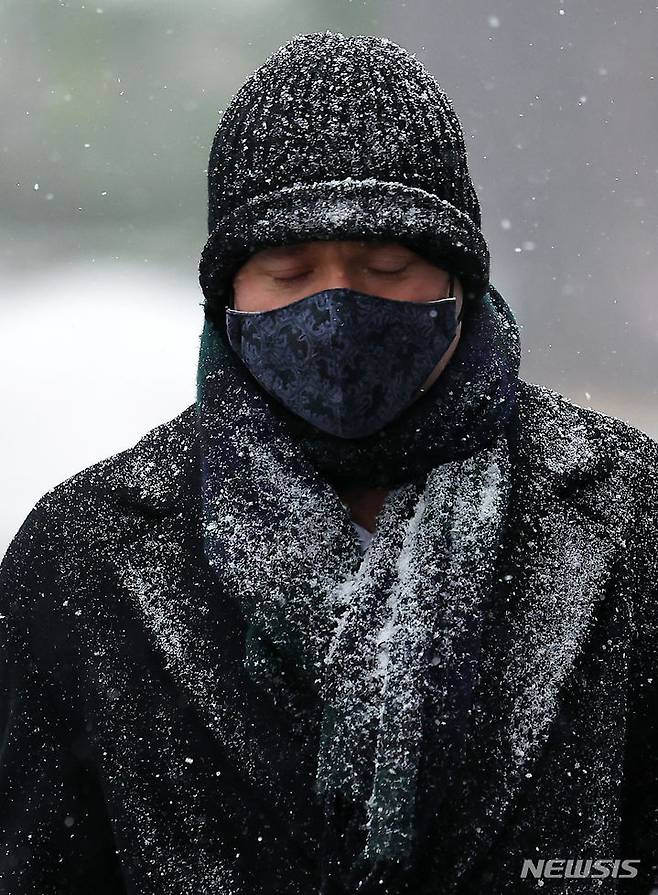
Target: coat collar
x=556, y=439
x=156, y=474
x=568, y=539
x=561, y=556
x=563, y=444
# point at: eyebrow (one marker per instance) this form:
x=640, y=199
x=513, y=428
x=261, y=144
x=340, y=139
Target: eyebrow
x=283, y=251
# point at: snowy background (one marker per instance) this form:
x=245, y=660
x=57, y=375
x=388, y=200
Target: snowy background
x=109, y=109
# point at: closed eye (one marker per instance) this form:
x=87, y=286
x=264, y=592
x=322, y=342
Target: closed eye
x=388, y=272
x=292, y=279
x=373, y=270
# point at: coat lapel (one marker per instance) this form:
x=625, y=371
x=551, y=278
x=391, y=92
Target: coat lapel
x=156, y=474
x=557, y=564
x=198, y=636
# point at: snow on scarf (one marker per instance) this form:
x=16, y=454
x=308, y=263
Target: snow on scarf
x=374, y=636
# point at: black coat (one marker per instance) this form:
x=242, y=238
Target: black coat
x=123, y=659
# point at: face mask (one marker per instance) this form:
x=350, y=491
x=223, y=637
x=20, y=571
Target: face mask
x=345, y=361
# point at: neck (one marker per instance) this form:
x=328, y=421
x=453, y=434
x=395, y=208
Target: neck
x=364, y=503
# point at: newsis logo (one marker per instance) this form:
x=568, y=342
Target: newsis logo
x=579, y=868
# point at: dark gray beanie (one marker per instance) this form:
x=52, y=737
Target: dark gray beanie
x=340, y=137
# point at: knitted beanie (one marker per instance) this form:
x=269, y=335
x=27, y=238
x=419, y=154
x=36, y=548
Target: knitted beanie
x=340, y=137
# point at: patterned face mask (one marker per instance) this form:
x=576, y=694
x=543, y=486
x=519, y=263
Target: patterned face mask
x=345, y=361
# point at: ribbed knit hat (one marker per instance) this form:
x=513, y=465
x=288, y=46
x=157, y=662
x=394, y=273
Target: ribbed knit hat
x=340, y=137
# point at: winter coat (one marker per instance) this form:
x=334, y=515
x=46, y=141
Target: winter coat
x=122, y=658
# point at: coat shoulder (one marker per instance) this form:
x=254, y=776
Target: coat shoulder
x=562, y=428
x=153, y=465
x=602, y=465
x=86, y=507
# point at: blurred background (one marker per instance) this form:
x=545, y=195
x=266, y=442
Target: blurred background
x=109, y=110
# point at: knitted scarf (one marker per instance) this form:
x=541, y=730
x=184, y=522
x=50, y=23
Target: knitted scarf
x=385, y=640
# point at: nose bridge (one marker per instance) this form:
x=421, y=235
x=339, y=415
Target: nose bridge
x=338, y=268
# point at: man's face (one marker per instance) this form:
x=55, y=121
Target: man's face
x=279, y=275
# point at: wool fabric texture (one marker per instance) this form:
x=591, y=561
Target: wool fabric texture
x=350, y=137
x=464, y=408
x=396, y=650
x=340, y=137
x=146, y=747
x=365, y=636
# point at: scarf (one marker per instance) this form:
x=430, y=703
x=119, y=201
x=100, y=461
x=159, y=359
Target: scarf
x=387, y=641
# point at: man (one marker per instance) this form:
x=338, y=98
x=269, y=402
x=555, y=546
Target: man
x=212, y=685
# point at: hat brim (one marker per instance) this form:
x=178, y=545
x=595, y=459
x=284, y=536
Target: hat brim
x=346, y=209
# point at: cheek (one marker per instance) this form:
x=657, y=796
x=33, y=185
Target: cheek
x=240, y=290
x=427, y=284
x=252, y=292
